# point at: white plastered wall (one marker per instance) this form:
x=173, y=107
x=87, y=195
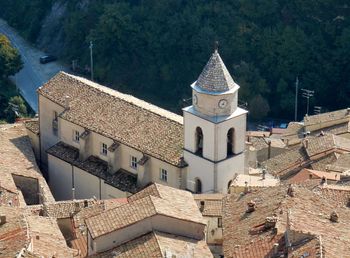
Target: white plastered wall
x=60, y=178
x=157, y=222
x=201, y=169
x=86, y=185
x=214, y=151
x=46, y=115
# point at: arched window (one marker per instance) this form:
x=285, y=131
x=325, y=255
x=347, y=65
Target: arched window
x=199, y=141
x=198, y=186
x=230, y=138
x=228, y=186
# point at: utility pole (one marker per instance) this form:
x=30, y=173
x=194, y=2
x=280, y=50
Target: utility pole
x=296, y=99
x=307, y=94
x=91, y=61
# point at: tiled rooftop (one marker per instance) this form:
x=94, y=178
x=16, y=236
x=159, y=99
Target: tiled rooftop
x=337, y=129
x=13, y=234
x=170, y=202
x=17, y=158
x=306, y=213
x=319, y=152
x=64, y=151
x=323, y=162
x=66, y=209
x=326, y=117
x=283, y=162
x=120, y=179
x=342, y=164
x=215, y=77
x=22, y=229
x=123, y=118
x=324, y=143
x=158, y=244
x=47, y=238
x=305, y=174
x=212, y=204
x=33, y=125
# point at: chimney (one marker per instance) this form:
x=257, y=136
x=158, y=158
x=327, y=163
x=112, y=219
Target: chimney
x=270, y=222
x=201, y=208
x=275, y=248
x=291, y=191
x=2, y=219
x=269, y=149
x=306, y=143
x=323, y=181
x=67, y=102
x=334, y=217
x=251, y=207
x=77, y=207
x=246, y=188
x=263, y=173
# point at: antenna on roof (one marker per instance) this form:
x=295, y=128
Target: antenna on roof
x=216, y=46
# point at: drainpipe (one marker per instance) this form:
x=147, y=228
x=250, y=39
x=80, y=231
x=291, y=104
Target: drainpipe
x=73, y=184
x=39, y=132
x=100, y=189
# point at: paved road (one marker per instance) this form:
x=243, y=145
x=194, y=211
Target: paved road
x=33, y=74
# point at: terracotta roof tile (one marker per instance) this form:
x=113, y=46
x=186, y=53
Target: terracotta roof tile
x=66, y=209
x=169, y=202
x=282, y=163
x=307, y=214
x=123, y=118
x=17, y=158
x=33, y=125
x=326, y=117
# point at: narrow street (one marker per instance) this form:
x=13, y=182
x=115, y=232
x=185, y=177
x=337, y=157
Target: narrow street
x=33, y=74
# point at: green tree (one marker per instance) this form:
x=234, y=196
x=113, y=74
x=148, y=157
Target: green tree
x=16, y=108
x=258, y=107
x=10, y=59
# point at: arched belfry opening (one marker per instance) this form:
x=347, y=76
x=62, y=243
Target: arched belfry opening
x=199, y=141
x=198, y=186
x=230, y=142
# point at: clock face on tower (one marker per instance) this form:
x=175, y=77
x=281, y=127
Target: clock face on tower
x=222, y=103
x=195, y=99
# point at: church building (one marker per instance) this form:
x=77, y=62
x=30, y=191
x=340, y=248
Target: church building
x=98, y=142
x=215, y=129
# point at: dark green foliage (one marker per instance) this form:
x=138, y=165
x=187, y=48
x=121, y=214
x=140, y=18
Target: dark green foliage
x=10, y=59
x=156, y=49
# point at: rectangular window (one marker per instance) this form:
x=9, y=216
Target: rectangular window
x=104, y=149
x=133, y=162
x=55, y=115
x=76, y=136
x=163, y=175
x=219, y=222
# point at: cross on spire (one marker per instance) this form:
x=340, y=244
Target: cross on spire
x=216, y=46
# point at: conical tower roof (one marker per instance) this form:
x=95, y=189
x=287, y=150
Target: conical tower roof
x=215, y=78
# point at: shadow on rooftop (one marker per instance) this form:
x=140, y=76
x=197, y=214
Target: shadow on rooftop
x=23, y=145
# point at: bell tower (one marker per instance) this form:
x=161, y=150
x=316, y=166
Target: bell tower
x=215, y=129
